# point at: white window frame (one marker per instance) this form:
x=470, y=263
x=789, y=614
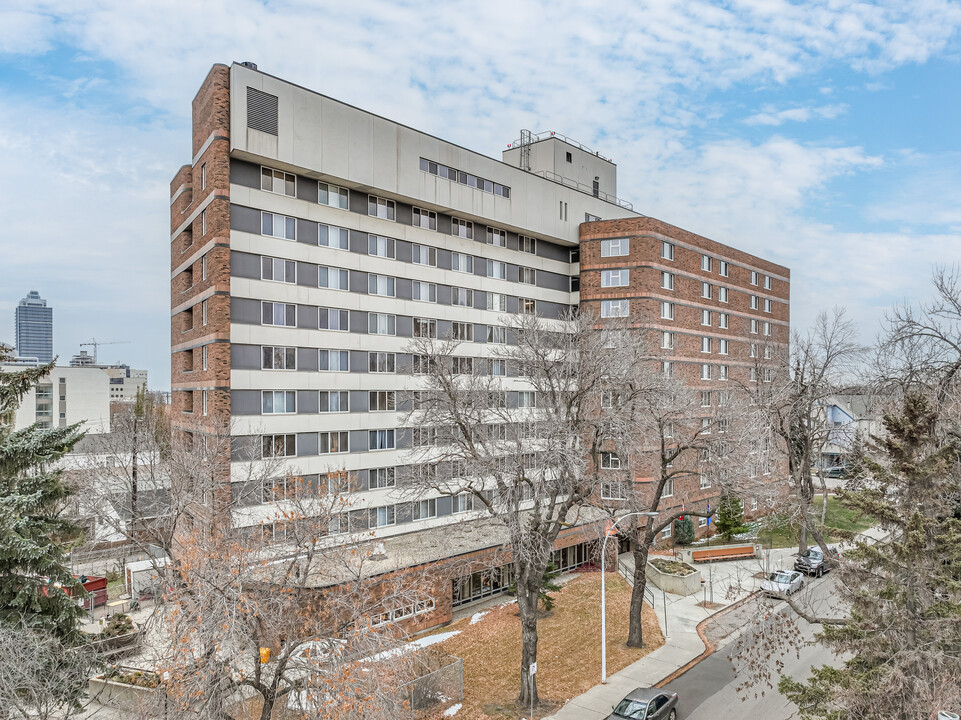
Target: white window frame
x=706, y=290
x=753, y=277
x=723, y=294
x=723, y=268
x=619, y=277
x=381, y=324
x=667, y=280
x=667, y=310
x=285, y=349
x=496, y=237
x=292, y=229
x=705, y=371
x=286, y=396
x=381, y=285
x=340, y=355
x=340, y=314
x=340, y=405
x=496, y=269
x=615, y=308
x=418, y=253
x=527, y=244
x=526, y=276
x=342, y=196
x=667, y=340
x=382, y=208
x=343, y=237
x=273, y=313
x=270, y=265
x=667, y=250
x=462, y=228
x=420, y=215
x=275, y=176
x=343, y=278
x=706, y=263
x=723, y=321
x=706, y=318
x=419, y=289
x=705, y=344
x=380, y=246
x=458, y=260
x=615, y=247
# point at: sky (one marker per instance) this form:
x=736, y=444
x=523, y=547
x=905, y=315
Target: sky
x=819, y=134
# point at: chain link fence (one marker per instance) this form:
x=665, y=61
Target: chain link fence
x=441, y=683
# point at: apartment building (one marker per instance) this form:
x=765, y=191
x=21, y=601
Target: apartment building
x=65, y=396
x=311, y=240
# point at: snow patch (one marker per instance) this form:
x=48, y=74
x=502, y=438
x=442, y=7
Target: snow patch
x=477, y=616
x=414, y=645
x=452, y=710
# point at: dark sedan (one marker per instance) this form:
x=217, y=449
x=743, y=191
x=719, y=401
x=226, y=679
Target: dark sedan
x=813, y=562
x=646, y=704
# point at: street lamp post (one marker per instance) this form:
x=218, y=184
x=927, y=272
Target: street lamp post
x=611, y=531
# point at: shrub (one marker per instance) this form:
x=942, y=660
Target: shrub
x=683, y=531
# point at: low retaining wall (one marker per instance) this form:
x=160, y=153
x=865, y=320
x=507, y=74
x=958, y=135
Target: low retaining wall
x=675, y=584
x=126, y=697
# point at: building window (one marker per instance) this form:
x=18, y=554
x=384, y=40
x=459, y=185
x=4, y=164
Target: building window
x=380, y=478
x=334, y=361
x=666, y=532
x=381, y=324
x=278, y=181
x=203, y=399
x=613, y=490
x=423, y=436
x=488, y=186
x=667, y=281
x=380, y=246
x=754, y=503
x=462, y=228
x=615, y=247
x=767, y=329
x=498, y=368
x=667, y=340
x=705, y=371
x=705, y=344
x=203, y=312
x=723, y=268
x=460, y=503
x=383, y=400
x=706, y=318
x=527, y=306
x=203, y=267
x=333, y=442
x=610, y=461
x=667, y=310
x=278, y=358
x=615, y=278
x=462, y=366
x=424, y=509
x=333, y=401
x=527, y=399
x=333, y=237
x=278, y=270
x=273, y=313
x=426, y=219
x=767, y=352
x=381, y=362
x=705, y=482
x=706, y=263
x=496, y=270
x=527, y=245
x=723, y=372
x=497, y=302
x=279, y=401
x=754, y=302
x=279, y=226
x=706, y=290
x=461, y=262
x=333, y=278
x=755, y=324
x=424, y=292
x=722, y=294
x=722, y=347
x=767, y=305
x=668, y=488
x=423, y=255
x=752, y=352
x=380, y=285
x=203, y=223
x=382, y=516
x=768, y=282
x=723, y=321
x=279, y=446
x=702, y=522
x=615, y=308
x=562, y=209
x=667, y=368
x=496, y=335
x=381, y=207
x=203, y=176
x=332, y=196
x=496, y=237
x=527, y=276
x=667, y=250
x=753, y=277
x=462, y=331
x=425, y=328
x=705, y=398
x=462, y=297
x=753, y=375
x=333, y=319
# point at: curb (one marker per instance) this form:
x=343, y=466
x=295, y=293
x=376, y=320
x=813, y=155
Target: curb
x=709, y=647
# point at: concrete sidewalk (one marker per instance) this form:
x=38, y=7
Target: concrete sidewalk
x=726, y=582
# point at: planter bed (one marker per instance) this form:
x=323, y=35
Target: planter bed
x=677, y=578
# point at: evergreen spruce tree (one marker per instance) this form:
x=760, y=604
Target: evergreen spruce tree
x=730, y=516
x=33, y=573
x=903, y=635
x=683, y=531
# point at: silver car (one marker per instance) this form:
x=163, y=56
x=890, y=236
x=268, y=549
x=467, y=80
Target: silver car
x=646, y=704
x=782, y=582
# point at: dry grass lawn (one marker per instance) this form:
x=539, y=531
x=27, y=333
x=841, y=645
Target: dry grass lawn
x=569, y=648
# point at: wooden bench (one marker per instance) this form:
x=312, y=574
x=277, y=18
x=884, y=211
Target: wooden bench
x=726, y=553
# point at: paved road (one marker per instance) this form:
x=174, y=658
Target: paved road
x=709, y=690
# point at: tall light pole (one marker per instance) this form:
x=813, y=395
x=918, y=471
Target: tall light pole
x=612, y=530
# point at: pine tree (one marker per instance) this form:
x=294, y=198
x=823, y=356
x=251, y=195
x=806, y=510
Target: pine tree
x=683, y=531
x=33, y=573
x=730, y=516
x=903, y=636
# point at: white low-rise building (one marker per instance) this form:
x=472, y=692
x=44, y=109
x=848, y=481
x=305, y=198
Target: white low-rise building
x=66, y=396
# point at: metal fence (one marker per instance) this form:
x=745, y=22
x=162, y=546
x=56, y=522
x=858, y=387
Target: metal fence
x=442, y=683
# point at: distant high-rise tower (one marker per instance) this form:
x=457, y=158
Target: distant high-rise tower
x=33, y=322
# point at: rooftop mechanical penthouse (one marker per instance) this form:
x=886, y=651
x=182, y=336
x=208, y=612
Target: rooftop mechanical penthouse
x=311, y=240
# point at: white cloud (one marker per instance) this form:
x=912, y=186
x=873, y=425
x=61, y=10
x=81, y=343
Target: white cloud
x=773, y=117
x=25, y=33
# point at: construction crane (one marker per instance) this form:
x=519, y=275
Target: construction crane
x=95, y=344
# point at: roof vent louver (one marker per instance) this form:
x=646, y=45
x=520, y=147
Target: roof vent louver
x=261, y=111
